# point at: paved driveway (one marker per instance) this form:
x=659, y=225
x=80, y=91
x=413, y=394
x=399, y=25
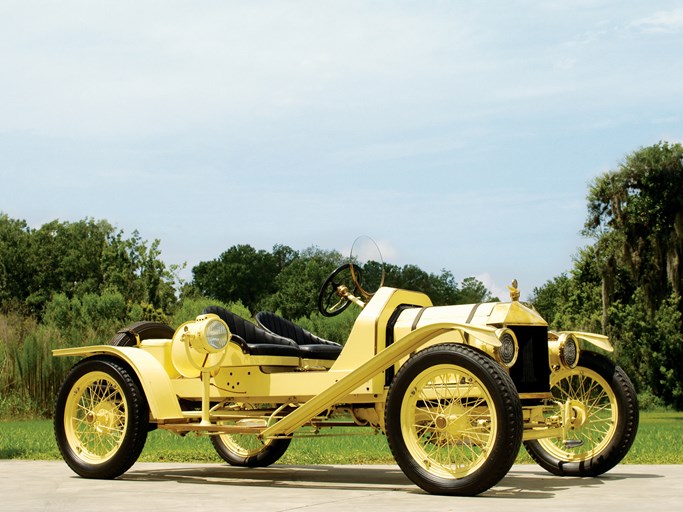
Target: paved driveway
x=153, y=487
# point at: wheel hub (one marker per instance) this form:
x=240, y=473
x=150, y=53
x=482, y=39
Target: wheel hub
x=441, y=422
x=575, y=414
x=103, y=417
x=454, y=420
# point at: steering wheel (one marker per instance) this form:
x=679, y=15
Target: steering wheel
x=330, y=301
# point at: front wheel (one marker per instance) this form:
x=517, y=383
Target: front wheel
x=604, y=401
x=101, y=419
x=453, y=420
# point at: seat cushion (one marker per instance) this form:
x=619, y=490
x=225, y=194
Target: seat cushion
x=311, y=346
x=328, y=352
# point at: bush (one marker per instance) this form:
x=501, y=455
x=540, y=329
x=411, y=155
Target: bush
x=190, y=308
x=650, y=347
x=336, y=328
x=93, y=318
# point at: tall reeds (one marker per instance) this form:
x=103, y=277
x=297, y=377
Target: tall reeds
x=29, y=375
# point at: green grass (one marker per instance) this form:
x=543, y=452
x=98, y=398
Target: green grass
x=658, y=442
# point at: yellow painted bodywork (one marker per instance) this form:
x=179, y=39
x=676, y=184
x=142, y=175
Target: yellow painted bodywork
x=494, y=314
x=153, y=375
x=355, y=382
x=598, y=340
x=355, y=377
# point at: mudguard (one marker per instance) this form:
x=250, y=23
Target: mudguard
x=156, y=384
x=598, y=340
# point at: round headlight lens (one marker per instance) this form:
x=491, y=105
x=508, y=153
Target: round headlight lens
x=570, y=352
x=507, y=348
x=507, y=352
x=216, y=334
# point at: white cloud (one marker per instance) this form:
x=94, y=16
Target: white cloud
x=496, y=289
x=660, y=22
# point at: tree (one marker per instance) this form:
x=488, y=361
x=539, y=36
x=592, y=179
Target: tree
x=299, y=282
x=628, y=282
x=572, y=302
x=78, y=258
x=240, y=273
x=15, y=271
x=473, y=291
x=636, y=216
x=65, y=258
x=442, y=289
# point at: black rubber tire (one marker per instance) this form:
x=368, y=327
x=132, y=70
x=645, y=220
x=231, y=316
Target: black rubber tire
x=269, y=454
x=145, y=330
x=505, y=408
x=127, y=400
x=622, y=437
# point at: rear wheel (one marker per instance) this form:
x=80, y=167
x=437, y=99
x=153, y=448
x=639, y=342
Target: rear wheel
x=101, y=419
x=129, y=335
x=453, y=420
x=247, y=450
x=603, y=403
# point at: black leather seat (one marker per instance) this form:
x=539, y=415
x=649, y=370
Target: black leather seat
x=311, y=346
x=252, y=339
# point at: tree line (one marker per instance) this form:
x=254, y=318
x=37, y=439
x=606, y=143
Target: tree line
x=288, y=281
x=67, y=261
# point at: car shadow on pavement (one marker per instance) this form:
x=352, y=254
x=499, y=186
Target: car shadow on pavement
x=517, y=484
x=538, y=484
x=314, y=477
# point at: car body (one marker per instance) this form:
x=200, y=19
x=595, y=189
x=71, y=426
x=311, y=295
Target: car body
x=456, y=389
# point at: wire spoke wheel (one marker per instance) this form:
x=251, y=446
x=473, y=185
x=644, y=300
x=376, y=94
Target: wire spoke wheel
x=101, y=419
x=598, y=405
x=453, y=420
x=96, y=417
x=244, y=445
x=248, y=450
x=602, y=410
x=451, y=424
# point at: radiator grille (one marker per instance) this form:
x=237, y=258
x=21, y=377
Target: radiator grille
x=531, y=371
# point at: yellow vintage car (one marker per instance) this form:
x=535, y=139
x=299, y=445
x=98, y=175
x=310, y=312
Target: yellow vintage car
x=455, y=389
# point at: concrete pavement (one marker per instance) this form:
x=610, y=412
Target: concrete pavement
x=155, y=487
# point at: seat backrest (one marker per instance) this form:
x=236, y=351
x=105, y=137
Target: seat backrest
x=250, y=333
x=283, y=327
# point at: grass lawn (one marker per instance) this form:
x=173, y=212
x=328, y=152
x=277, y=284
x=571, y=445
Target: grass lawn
x=658, y=442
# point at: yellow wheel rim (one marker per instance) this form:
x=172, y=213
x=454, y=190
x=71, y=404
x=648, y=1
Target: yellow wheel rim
x=448, y=421
x=95, y=417
x=244, y=445
x=599, y=407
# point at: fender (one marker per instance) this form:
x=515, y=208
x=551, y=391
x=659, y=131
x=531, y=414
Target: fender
x=162, y=400
x=363, y=373
x=598, y=340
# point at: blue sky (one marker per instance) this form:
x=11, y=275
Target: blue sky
x=460, y=135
